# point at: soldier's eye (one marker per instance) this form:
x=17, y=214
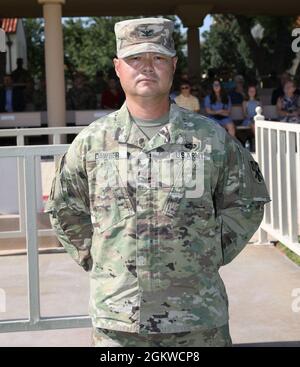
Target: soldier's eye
x=160, y=58
x=134, y=58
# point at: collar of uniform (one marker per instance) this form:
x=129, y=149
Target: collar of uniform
x=174, y=132
x=129, y=133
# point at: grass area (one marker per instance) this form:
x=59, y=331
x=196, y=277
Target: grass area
x=290, y=254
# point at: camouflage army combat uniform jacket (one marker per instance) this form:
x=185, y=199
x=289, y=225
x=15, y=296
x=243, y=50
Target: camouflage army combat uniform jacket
x=153, y=220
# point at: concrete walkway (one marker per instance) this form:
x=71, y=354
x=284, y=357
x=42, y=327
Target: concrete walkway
x=259, y=283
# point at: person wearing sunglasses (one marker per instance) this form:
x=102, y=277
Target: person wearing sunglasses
x=218, y=107
x=185, y=99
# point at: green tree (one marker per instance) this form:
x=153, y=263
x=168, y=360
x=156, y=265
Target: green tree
x=271, y=52
x=34, y=32
x=224, y=47
x=89, y=44
x=231, y=43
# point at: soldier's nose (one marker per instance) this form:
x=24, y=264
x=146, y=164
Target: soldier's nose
x=148, y=67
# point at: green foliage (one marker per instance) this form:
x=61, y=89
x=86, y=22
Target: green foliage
x=224, y=47
x=231, y=43
x=34, y=32
x=289, y=253
x=89, y=44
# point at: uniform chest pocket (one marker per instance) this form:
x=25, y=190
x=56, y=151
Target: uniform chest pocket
x=109, y=198
x=191, y=189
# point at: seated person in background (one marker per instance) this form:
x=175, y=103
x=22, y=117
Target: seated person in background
x=278, y=92
x=81, y=96
x=249, y=106
x=218, y=107
x=237, y=95
x=288, y=107
x=11, y=97
x=111, y=96
x=185, y=99
x=198, y=92
x=99, y=85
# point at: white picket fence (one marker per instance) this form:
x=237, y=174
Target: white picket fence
x=278, y=154
x=20, y=134
x=35, y=321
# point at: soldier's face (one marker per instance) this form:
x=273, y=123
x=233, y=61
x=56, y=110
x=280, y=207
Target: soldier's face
x=147, y=74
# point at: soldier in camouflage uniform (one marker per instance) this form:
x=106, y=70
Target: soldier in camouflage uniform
x=153, y=212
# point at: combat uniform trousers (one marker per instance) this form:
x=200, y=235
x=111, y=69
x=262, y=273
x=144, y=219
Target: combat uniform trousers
x=214, y=337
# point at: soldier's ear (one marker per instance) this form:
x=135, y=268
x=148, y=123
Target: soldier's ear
x=116, y=62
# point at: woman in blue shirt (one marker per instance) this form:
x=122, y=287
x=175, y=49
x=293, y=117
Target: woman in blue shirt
x=249, y=107
x=218, y=107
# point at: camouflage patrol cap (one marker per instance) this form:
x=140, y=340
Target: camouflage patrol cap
x=135, y=36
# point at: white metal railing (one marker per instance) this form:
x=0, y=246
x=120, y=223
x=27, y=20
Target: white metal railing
x=20, y=134
x=35, y=321
x=37, y=118
x=278, y=154
x=55, y=132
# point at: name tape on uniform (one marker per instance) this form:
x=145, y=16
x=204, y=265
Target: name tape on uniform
x=155, y=155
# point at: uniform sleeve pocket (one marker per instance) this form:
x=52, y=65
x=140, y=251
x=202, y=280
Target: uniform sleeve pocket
x=252, y=183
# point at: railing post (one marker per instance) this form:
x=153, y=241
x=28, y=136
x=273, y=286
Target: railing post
x=291, y=180
x=282, y=190
x=273, y=177
x=31, y=239
x=56, y=138
x=298, y=176
x=20, y=160
x=265, y=167
x=262, y=235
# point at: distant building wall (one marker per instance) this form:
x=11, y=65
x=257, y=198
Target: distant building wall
x=16, y=35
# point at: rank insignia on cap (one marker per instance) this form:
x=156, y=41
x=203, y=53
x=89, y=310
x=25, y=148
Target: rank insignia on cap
x=135, y=36
x=146, y=32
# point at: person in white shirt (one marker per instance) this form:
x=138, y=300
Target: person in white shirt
x=185, y=99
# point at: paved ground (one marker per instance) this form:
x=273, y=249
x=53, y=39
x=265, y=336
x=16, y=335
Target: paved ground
x=259, y=283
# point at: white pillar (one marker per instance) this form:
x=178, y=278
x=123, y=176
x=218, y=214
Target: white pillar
x=54, y=61
x=192, y=16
